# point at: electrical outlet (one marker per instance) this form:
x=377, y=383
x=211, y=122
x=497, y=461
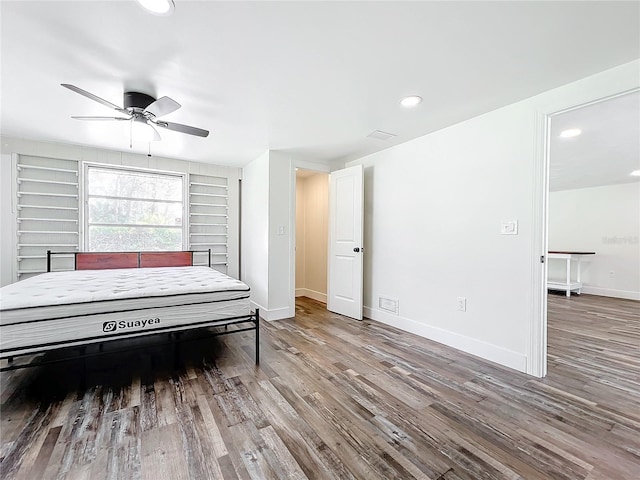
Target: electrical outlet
x=462, y=304
x=612, y=274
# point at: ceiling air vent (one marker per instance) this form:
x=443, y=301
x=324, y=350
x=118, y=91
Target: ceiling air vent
x=380, y=135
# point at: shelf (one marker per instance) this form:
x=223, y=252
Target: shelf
x=194, y=204
x=212, y=254
x=22, y=219
x=48, y=169
x=69, y=255
x=195, y=214
x=39, y=194
x=23, y=272
x=47, y=232
x=207, y=224
x=48, y=245
x=209, y=195
x=50, y=182
x=212, y=244
x=46, y=207
x=208, y=185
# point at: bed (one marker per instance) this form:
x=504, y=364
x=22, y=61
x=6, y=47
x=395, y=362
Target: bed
x=111, y=296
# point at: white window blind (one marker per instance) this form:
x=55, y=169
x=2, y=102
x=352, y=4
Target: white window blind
x=208, y=218
x=47, y=212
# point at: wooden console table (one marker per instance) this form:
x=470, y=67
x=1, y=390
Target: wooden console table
x=567, y=285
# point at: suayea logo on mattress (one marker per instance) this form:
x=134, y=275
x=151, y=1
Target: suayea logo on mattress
x=112, y=325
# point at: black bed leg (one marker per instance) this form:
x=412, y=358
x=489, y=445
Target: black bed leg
x=257, y=336
x=176, y=351
x=83, y=374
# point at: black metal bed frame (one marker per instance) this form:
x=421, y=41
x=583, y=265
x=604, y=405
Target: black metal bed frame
x=174, y=332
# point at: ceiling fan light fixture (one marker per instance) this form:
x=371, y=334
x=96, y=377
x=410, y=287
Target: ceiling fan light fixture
x=158, y=7
x=141, y=131
x=635, y=173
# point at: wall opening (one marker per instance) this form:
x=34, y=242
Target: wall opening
x=593, y=228
x=312, y=223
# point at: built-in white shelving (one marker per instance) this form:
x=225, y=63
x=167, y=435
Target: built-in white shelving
x=208, y=217
x=47, y=212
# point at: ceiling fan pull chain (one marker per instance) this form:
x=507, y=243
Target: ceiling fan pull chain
x=131, y=133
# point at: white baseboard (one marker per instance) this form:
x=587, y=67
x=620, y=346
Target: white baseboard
x=274, y=314
x=608, y=292
x=306, y=292
x=485, y=350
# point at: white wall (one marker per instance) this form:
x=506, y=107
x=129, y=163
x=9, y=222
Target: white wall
x=281, y=236
x=267, y=240
x=312, y=210
x=605, y=220
x=433, y=208
x=11, y=145
x=7, y=249
x=255, y=230
x=274, y=177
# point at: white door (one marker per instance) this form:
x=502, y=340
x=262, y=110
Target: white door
x=346, y=211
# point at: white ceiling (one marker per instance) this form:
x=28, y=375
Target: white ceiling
x=607, y=150
x=310, y=78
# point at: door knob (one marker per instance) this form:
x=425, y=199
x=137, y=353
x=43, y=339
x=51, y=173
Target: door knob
x=356, y=249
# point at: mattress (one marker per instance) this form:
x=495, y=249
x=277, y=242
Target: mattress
x=84, y=306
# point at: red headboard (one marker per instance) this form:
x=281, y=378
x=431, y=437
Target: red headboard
x=109, y=260
x=102, y=261
x=166, y=259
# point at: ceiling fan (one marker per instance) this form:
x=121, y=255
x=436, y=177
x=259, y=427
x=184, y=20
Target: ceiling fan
x=141, y=109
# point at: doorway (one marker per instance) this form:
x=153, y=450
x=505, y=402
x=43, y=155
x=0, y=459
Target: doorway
x=312, y=233
x=593, y=230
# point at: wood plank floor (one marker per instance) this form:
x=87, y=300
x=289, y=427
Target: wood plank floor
x=336, y=398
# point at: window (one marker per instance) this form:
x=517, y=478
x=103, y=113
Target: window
x=130, y=210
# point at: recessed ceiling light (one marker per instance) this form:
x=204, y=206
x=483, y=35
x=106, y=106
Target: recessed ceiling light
x=636, y=173
x=158, y=7
x=572, y=132
x=411, y=101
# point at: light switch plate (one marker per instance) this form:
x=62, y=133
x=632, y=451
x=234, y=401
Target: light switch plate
x=509, y=227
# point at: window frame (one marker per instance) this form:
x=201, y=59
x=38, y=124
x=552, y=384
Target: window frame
x=84, y=194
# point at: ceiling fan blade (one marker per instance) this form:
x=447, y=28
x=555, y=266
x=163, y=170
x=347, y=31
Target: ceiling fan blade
x=178, y=127
x=93, y=97
x=163, y=106
x=98, y=119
